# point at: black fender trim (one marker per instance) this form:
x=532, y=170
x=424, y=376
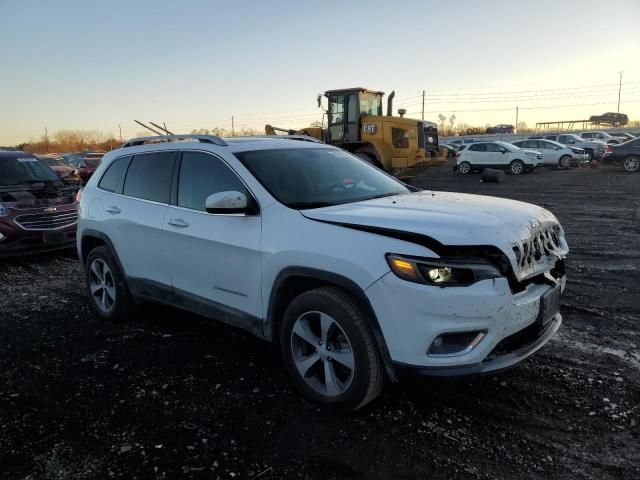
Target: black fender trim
x=343, y=282
x=107, y=241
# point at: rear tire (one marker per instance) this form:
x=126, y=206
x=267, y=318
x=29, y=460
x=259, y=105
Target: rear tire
x=631, y=163
x=464, y=168
x=329, y=350
x=107, y=289
x=516, y=167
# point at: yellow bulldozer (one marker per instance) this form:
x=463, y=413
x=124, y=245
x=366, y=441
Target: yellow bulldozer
x=356, y=123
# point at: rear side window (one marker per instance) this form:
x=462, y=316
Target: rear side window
x=149, y=176
x=202, y=175
x=111, y=178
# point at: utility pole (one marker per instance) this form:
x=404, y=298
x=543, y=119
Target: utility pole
x=46, y=138
x=422, y=104
x=516, y=129
x=233, y=131
x=619, y=90
x=120, y=128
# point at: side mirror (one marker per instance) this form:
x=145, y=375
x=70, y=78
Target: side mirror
x=227, y=202
x=502, y=150
x=571, y=141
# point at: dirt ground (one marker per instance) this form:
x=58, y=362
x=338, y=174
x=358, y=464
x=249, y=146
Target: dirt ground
x=172, y=395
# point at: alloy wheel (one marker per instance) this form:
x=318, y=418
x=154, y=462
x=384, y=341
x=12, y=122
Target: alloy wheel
x=632, y=164
x=517, y=167
x=102, y=285
x=464, y=167
x=322, y=353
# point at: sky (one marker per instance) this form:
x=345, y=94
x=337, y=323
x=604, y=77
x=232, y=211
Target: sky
x=77, y=64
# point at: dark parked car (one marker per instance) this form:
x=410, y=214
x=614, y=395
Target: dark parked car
x=451, y=151
x=627, y=155
x=37, y=210
x=501, y=129
x=66, y=172
x=86, y=163
x=610, y=118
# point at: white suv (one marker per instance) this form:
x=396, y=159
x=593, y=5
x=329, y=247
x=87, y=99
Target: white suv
x=354, y=274
x=502, y=155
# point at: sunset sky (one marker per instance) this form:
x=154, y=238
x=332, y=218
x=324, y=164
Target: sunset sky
x=73, y=64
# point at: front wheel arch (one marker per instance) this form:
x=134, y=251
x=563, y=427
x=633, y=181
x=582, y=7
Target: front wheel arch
x=293, y=281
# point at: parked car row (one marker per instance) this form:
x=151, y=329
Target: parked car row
x=557, y=150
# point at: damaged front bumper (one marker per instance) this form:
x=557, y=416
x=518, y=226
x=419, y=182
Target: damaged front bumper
x=511, y=326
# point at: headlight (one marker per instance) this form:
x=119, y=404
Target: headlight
x=531, y=154
x=442, y=272
x=3, y=211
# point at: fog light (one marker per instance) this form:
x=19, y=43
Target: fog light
x=2, y=237
x=453, y=344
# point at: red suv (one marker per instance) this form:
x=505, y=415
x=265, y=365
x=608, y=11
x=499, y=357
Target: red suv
x=37, y=211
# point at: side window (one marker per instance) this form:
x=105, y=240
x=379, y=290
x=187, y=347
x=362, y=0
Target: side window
x=494, y=147
x=563, y=139
x=400, y=138
x=149, y=176
x=201, y=175
x=111, y=178
x=478, y=147
x=551, y=137
x=336, y=110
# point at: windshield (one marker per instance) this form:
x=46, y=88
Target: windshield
x=318, y=177
x=24, y=170
x=54, y=162
x=370, y=104
x=92, y=162
x=508, y=146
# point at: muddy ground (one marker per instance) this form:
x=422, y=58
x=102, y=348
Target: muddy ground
x=172, y=395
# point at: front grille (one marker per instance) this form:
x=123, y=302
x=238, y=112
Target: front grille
x=47, y=220
x=544, y=245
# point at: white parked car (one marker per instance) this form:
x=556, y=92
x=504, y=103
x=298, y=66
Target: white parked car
x=355, y=275
x=603, y=137
x=554, y=153
x=501, y=155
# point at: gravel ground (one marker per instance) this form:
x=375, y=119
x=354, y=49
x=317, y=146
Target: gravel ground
x=173, y=395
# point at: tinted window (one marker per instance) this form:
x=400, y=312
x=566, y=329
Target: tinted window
x=202, y=175
x=478, y=147
x=550, y=137
x=149, y=176
x=24, y=170
x=111, y=178
x=318, y=177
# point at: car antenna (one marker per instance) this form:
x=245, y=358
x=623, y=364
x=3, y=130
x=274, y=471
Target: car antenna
x=149, y=128
x=161, y=128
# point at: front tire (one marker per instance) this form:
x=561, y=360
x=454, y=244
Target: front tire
x=108, y=292
x=329, y=351
x=516, y=167
x=464, y=168
x=565, y=161
x=631, y=164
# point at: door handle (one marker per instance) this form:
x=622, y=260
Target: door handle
x=178, y=223
x=113, y=210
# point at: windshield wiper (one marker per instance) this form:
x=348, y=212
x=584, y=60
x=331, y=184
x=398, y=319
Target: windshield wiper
x=304, y=205
x=382, y=195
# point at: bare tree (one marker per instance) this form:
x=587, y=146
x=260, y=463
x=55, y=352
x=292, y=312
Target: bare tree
x=452, y=120
x=441, y=119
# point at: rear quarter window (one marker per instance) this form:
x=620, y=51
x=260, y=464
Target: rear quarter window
x=112, y=176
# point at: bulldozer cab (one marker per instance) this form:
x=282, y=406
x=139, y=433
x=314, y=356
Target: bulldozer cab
x=346, y=106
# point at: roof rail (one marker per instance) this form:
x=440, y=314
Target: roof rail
x=174, y=138
x=304, y=138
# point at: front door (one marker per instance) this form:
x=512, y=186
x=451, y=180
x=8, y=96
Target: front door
x=214, y=258
x=337, y=120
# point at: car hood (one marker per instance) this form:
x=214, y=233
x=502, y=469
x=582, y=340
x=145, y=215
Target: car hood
x=453, y=219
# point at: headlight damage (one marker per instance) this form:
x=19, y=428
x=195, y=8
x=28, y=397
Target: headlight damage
x=442, y=272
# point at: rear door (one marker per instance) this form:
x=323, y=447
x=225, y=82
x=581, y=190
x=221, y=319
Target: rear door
x=475, y=154
x=214, y=258
x=133, y=213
